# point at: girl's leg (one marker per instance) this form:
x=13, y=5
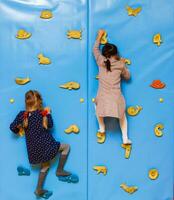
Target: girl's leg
x=123, y=126
x=42, y=175
x=101, y=124
x=64, y=152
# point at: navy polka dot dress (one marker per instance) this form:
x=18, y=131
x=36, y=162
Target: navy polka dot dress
x=41, y=146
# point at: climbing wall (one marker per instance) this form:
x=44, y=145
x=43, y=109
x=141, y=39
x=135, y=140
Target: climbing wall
x=151, y=87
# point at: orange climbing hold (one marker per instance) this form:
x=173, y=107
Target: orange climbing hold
x=157, y=84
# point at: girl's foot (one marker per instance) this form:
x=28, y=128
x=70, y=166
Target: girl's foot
x=62, y=173
x=45, y=194
x=127, y=141
x=101, y=137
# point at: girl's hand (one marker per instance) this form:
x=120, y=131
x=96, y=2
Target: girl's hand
x=48, y=109
x=101, y=32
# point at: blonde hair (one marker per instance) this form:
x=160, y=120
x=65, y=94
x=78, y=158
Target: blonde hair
x=33, y=101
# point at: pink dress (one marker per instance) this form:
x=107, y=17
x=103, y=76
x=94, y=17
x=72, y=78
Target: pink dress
x=110, y=101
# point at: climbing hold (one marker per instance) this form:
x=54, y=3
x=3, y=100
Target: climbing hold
x=22, y=34
x=157, y=84
x=104, y=39
x=70, y=85
x=46, y=14
x=93, y=100
x=127, y=61
x=72, y=129
x=101, y=137
x=82, y=100
x=157, y=39
x=22, y=171
x=129, y=189
x=100, y=169
x=21, y=132
x=153, y=174
x=97, y=77
x=132, y=11
x=74, y=34
x=43, y=60
x=134, y=110
x=12, y=100
x=69, y=179
x=22, y=81
x=128, y=148
x=161, y=100
x=158, y=130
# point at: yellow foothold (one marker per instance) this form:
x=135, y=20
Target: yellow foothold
x=21, y=132
x=129, y=189
x=93, y=100
x=128, y=148
x=157, y=39
x=72, y=129
x=46, y=14
x=101, y=137
x=134, y=110
x=158, y=130
x=43, y=60
x=82, y=100
x=70, y=86
x=22, y=81
x=153, y=174
x=100, y=169
x=133, y=12
x=22, y=34
x=161, y=100
x=74, y=34
x=12, y=100
x=97, y=77
x=104, y=39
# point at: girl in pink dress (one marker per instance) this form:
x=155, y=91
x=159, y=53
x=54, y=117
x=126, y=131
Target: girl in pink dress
x=110, y=101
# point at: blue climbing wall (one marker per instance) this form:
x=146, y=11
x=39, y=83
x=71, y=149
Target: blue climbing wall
x=72, y=60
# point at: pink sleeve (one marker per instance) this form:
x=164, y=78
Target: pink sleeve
x=97, y=54
x=125, y=73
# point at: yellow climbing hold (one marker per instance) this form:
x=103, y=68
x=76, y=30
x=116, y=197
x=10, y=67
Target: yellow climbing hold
x=129, y=189
x=127, y=61
x=22, y=34
x=104, y=39
x=153, y=174
x=161, y=100
x=134, y=110
x=100, y=169
x=74, y=34
x=22, y=81
x=157, y=39
x=97, y=77
x=82, y=100
x=133, y=12
x=72, y=129
x=43, y=60
x=128, y=148
x=12, y=100
x=70, y=85
x=46, y=14
x=101, y=137
x=158, y=130
x=93, y=100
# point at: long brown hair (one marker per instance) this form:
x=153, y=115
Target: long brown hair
x=33, y=101
x=108, y=51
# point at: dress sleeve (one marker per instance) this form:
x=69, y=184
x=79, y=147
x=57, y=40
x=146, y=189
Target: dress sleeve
x=97, y=54
x=50, y=121
x=125, y=73
x=17, y=122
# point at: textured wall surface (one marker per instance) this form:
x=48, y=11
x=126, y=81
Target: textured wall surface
x=72, y=60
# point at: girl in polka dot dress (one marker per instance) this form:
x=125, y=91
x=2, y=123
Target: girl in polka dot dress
x=41, y=146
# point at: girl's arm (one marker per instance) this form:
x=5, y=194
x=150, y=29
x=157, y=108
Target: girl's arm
x=96, y=51
x=17, y=123
x=50, y=121
x=125, y=73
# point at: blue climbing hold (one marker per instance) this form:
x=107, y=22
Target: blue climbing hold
x=69, y=179
x=23, y=171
